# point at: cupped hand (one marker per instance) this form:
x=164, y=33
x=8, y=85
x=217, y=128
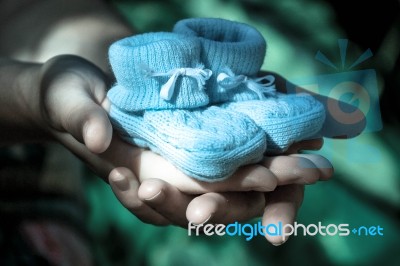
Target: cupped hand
x=227, y=202
x=71, y=105
x=71, y=100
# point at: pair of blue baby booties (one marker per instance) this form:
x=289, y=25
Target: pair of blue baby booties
x=193, y=96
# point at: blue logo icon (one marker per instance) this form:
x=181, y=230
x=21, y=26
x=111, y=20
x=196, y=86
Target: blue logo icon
x=352, y=89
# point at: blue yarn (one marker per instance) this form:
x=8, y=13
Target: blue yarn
x=226, y=45
x=286, y=118
x=138, y=63
x=159, y=103
x=208, y=144
x=235, y=52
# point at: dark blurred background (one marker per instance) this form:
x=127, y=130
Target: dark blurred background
x=365, y=190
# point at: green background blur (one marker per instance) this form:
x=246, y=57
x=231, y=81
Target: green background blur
x=365, y=190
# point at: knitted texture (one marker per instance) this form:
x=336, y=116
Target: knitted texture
x=208, y=144
x=226, y=45
x=142, y=64
x=285, y=118
x=235, y=53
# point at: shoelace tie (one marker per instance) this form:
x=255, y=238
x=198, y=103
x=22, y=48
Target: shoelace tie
x=261, y=86
x=167, y=90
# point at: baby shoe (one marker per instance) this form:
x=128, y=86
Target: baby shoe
x=159, y=103
x=286, y=118
x=208, y=144
x=235, y=52
x=158, y=71
x=227, y=47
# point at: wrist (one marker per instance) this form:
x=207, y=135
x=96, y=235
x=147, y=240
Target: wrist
x=19, y=104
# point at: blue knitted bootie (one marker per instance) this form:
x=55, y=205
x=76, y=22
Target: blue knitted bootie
x=150, y=68
x=234, y=52
x=159, y=103
x=286, y=118
x=208, y=144
x=231, y=50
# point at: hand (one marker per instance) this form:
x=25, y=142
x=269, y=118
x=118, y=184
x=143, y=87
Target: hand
x=232, y=204
x=71, y=103
x=283, y=203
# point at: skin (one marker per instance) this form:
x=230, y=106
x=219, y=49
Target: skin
x=64, y=100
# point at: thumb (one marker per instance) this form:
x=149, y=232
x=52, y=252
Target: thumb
x=96, y=130
x=81, y=113
x=74, y=100
x=88, y=122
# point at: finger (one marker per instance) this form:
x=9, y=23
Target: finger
x=282, y=206
x=166, y=200
x=125, y=186
x=96, y=130
x=292, y=169
x=246, y=178
x=96, y=163
x=81, y=87
x=225, y=208
x=322, y=164
x=254, y=177
x=312, y=145
x=84, y=119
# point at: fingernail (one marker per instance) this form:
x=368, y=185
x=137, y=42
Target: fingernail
x=155, y=196
x=121, y=182
x=205, y=221
x=88, y=131
x=106, y=104
x=278, y=244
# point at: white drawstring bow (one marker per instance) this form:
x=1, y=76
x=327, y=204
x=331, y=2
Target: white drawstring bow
x=228, y=80
x=167, y=90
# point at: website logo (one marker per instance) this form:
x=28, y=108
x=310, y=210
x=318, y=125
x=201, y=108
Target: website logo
x=249, y=231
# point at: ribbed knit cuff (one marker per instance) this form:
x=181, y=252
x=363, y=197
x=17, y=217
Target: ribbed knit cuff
x=226, y=44
x=142, y=64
